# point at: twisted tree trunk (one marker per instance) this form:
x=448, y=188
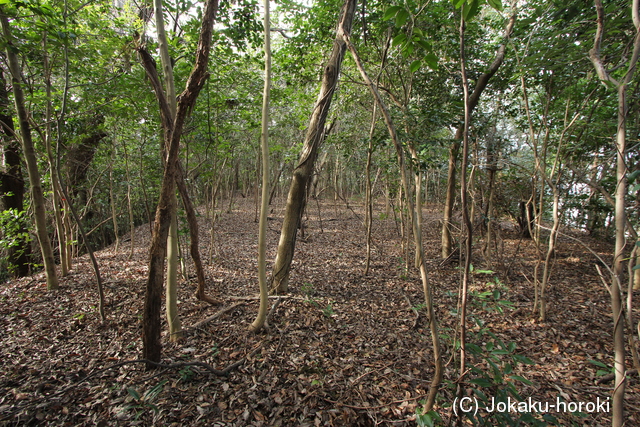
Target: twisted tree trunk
x=303, y=171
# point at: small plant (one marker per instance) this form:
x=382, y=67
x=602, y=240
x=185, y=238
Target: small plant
x=215, y=350
x=308, y=291
x=186, y=374
x=606, y=370
x=419, y=307
x=142, y=403
x=427, y=419
x=491, y=300
x=328, y=311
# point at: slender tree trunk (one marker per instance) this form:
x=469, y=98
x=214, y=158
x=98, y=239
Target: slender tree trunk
x=172, y=238
x=30, y=157
x=618, y=418
x=56, y=194
x=303, y=171
x=262, y=234
x=418, y=188
x=194, y=247
x=489, y=237
x=276, y=181
x=433, y=324
x=468, y=228
x=171, y=296
x=450, y=196
x=546, y=272
x=636, y=274
x=144, y=190
x=132, y=225
x=112, y=199
x=368, y=196
x=454, y=150
x=152, y=347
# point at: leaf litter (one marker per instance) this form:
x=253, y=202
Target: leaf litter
x=342, y=349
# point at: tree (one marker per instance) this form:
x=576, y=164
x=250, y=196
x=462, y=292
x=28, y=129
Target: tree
x=151, y=317
x=37, y=195
x=304, y=169
x=171, y=300
x=454, y=151
x=262, y=234
x=417, y=232
x=621, y=85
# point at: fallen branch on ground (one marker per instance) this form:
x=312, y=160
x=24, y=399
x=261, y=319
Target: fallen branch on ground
x=214, y=316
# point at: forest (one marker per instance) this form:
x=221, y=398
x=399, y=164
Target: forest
x=320, y=213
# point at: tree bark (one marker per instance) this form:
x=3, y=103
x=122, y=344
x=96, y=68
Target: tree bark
x=617, y=407
x=417, y=234
x=56, y=195
x=30, y=157
x=302, y=172
x=259, y=323
x=454, y=150
x=468, y=228
x=171, y=292
x=152, y=348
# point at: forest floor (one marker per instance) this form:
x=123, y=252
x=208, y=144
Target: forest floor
x=341, y=349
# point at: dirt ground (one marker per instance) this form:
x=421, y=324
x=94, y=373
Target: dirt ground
x=341, y=349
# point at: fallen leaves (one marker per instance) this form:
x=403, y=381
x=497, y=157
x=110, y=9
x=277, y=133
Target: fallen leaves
x=342, y=349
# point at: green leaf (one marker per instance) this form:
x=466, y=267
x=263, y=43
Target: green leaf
x=637, y=267
x=523, y=359
x=391, y=12
x=132, y=391
x=415, y=65
x=470, y=10
x=401, y=17
x=425, y=44
x=399, y=39
x=473, y=348
x=496, y=4
x=633, y=175
x=521, y=379
x=598, y=363
x=482, y=382
x=432, y=61
x=458, y=3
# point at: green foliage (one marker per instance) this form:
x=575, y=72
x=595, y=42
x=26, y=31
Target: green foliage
x=328, y=311
x=143, y=403
x=604, y=369
x=15, y=234
x=491, y=299
x=186, y=374
x=14, y=225
x=308, y=291
x=428, y=419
